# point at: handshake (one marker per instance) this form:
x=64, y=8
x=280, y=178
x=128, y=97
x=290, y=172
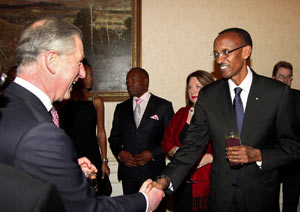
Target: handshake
x=154, y=191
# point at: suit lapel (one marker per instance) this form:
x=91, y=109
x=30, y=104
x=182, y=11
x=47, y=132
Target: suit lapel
x=225, y=104
x=130, y=115
x=150, y=110
x=34, y=103
x=254, y=104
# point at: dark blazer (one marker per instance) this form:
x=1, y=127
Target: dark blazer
x=30, y=141
x=22, y=192
x=296, y=98
x=125, y=136
x=270, y=124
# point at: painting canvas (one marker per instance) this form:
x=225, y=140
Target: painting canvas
x=110, y=35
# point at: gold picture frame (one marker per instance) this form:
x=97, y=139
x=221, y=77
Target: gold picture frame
x=112, y=96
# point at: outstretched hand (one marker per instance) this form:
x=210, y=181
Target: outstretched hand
x=153, y=194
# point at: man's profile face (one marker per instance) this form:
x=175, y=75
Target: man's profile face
x=70, y=70
x=284, y=75
x=137, y=85
x=233, y=64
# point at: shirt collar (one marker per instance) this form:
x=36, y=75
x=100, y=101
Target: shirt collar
x=246, y=83
x=36, y=91
x=145, y=97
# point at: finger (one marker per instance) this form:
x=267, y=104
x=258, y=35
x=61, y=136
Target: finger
x=145, y=185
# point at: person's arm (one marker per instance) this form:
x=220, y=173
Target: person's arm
x=285, y=146
x=101, y=135
x=116, y=145
x=48, y=153
x=168, y=143
x=188, y=154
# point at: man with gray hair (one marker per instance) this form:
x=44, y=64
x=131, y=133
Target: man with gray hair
x=50, y=52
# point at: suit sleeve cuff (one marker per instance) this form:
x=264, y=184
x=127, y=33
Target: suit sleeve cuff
x=259, y=163
x=147, y=201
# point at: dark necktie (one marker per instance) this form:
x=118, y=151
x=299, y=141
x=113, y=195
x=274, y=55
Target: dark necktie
x=238, y=107
x=54, y=115
x=138, y=112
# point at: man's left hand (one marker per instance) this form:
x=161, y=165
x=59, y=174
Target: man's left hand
x=143, y=158
x=243, y=154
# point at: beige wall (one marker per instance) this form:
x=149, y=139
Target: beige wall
x=177, y=38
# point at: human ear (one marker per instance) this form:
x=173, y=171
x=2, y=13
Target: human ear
x=247, y=50
x=51, y=59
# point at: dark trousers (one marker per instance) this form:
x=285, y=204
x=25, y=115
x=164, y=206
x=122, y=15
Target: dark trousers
x=237, y=203
x=133, y=185
x=291, y=186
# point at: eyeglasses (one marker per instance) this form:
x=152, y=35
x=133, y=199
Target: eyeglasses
x=224, y=53
x=285, y=77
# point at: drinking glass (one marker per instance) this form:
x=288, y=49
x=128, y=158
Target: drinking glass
x=233, y=139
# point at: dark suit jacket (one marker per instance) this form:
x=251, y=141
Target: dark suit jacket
x=22, y=192
x=296, y=98
x=269, y=124
x=125, y=136
x=30, y=141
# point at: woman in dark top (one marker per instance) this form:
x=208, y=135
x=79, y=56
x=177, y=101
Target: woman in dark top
x=193, y=193
x=83, y=121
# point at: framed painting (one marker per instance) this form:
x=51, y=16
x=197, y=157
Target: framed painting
x=111, y=36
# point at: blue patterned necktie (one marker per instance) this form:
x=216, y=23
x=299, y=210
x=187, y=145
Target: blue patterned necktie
x=238, y=107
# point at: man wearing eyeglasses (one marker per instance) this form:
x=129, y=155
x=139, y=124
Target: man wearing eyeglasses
x=269, y=132
x=290, y=173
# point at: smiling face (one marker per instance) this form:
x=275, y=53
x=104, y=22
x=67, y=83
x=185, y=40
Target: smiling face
x=235, y=65
x=194, y=87
x=69, y=71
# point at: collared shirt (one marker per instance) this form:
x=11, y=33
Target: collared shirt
x=245, y=86
x=47, y=103
x=145, y=97
x=36, y=91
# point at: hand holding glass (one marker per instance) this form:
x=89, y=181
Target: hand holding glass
x=232, y=139
x=91, y=177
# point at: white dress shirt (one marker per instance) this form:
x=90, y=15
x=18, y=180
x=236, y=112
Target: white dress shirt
x=245, y=85
x=36, y=91
x=145, y=97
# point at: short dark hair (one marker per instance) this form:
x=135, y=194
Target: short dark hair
x=143, y=72
x=243, y=35
x=282, y=64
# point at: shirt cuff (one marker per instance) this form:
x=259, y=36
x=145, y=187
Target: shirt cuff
x=147, y=201
x=171, y=186
x=259, y=163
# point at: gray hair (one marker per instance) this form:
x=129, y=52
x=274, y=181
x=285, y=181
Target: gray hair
x=44, y=35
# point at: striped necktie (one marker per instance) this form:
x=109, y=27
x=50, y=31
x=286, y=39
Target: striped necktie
x=54, y=115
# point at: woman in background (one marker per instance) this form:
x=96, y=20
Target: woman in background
x=83, y=121
x=192, y=195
